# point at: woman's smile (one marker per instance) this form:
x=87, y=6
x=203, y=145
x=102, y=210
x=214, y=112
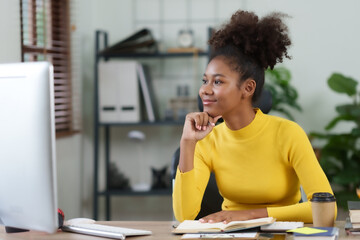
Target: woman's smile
x=208, y=102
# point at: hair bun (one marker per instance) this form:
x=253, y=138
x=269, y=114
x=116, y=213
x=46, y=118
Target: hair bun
x=265, y=40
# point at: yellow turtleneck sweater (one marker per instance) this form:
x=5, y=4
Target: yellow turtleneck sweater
x=259, y=166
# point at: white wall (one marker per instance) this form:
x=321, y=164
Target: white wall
x=10, y=31
x=69, y=174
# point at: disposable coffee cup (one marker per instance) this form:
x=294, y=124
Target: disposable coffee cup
x=323, y=209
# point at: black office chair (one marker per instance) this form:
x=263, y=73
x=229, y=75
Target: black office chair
x=212, y=199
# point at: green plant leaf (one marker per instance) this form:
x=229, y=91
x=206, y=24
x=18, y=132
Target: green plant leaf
x=285, y=112
x=347, y=176
x=342, y=197
x=349, y=109
x=340, y=156
x=343, y=141
x=318, y=135
x=337, y=119
x=356, y=132
x=284, y=96
x=341, y=84
x=347, y=112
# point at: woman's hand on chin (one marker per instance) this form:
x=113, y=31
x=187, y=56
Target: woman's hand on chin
x=197, y=125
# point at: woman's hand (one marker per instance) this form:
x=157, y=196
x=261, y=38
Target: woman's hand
x=197, y=125
x=241, y=215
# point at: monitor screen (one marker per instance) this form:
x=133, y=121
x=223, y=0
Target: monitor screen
x=28, y=198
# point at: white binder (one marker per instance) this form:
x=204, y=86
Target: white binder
x=119, y=100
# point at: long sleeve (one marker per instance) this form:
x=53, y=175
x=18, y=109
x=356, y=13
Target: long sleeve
x=188, y=191
x=311, y=176
x=307, y=168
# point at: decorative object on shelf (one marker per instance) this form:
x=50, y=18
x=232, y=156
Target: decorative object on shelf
x=160, y=178
x=169, y=114
x=192, y=50
x=140, y=41
x=182, y=90
x=117, y=180
x=181, y=106
x=185, y=38
x=340, y=155
x=142, y=183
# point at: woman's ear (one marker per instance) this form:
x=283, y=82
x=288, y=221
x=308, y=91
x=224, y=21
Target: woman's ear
x=249, y=87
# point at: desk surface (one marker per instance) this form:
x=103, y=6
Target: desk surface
x=161, y=231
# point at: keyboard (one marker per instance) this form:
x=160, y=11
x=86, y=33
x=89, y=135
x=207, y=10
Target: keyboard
x=104, y=230
x=281, y=226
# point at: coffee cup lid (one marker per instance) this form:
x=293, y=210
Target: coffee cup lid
x=323, y=197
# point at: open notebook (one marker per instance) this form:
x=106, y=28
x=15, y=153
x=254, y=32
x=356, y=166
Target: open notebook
x=194, y=226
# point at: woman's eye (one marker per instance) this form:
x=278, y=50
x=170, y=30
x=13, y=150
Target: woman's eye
x=217, y=82
x=204, y=81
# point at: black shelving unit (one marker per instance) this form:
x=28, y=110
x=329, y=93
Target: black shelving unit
x=107, y=193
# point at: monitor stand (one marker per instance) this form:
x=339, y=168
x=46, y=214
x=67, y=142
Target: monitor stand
x=14, y=230
x=61, y=217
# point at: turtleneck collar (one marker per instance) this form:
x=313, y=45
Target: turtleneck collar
x=250, y=130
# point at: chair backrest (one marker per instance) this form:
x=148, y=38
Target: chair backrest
x=212, y=199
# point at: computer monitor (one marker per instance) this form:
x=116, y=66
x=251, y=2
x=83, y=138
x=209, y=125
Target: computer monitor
x=28, y=197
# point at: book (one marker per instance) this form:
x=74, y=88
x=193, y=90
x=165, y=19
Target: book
x=140, y=41
x=195, y=226
x=354, y=211
x=353, y=205
x=350, y=228
x=327, y=233
x=147, y=92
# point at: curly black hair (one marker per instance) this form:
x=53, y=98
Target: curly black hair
x=251, y=45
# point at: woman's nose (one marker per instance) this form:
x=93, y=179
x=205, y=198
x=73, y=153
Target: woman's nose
x=206, y=89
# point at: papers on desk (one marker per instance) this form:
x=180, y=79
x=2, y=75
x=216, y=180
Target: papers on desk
x=189, y=236
x=281, y=226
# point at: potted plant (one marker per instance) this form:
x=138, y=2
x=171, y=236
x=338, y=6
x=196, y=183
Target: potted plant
x=340, y=154
x=284, y=95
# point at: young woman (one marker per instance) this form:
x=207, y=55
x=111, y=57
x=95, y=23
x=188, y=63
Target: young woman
x=259, y=160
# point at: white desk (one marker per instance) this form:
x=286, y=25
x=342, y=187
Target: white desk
x=161, y=231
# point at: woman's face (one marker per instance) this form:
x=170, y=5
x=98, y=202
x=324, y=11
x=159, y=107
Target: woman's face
x=220, y=92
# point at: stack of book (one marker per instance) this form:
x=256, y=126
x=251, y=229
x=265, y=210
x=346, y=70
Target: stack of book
x=317, y=233
x=141, y=41
x=353, y=221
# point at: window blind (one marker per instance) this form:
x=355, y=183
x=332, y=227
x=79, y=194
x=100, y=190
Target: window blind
x=45, y=36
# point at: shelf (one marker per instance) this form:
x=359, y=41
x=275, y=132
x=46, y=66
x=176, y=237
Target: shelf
x=171, y=53
x=122, y=192
x=153, y=55
x=157, y=123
